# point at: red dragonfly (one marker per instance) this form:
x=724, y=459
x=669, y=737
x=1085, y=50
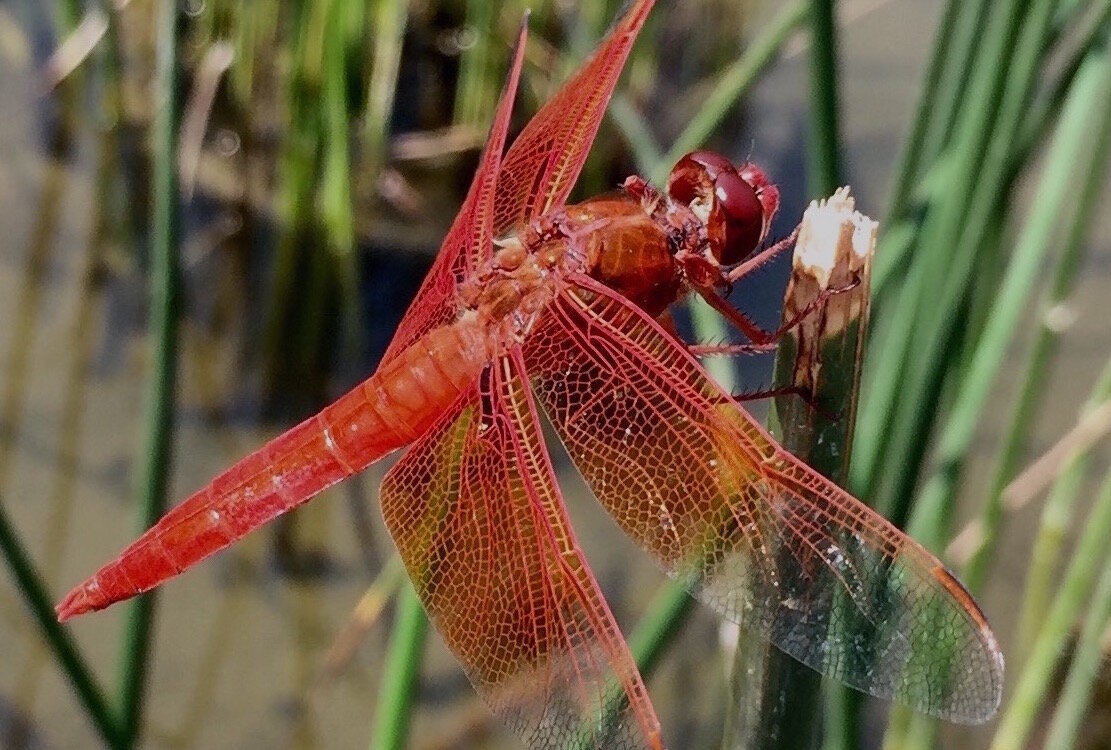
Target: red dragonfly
x=531, y=303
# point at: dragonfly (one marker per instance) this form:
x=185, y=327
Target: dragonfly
x=536, y=305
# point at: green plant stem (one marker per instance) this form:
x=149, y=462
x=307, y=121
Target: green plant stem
x=731, y=86
x=949, y=194
x=1041, y=354
x=400, y=672
x=913, y=155
x=154, y=474
x=1013, y=730
x=335, y=190
x=971, y=25
x=476, y=92
x=942, y=271
x=1076, y=695
x=389, y=31
x=777, y=701
x=69, y=12
x=824, y=171
x=938, y=109
x=38, y=599
x=1044, y=112
x=296, y=179
x=1057, y=516
x=1055, y=198
x=668, y=610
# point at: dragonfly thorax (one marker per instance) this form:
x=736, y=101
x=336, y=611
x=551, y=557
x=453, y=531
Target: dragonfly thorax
x=511, y=290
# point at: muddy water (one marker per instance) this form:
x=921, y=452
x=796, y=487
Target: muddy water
x=240, y=643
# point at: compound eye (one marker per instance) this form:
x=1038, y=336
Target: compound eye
x=738, y=198
x=744, y=216
x=715, y=163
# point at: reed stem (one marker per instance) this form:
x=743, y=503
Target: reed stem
x=154, y=474
x=393, y=715
x=824, y=173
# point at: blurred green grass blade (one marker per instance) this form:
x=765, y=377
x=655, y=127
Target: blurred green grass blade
x=1013, y=730
x=971, y=27
x=336, y=207
x=947, y=264
x=57, y=638
x=669, y=608
x=731, y=86
x=69, y=14
x=913, y=155
x=400, y=673
x=297, y=167
x=646, y=151
x=1041, y=353
x=1054, y=199
x=1087, y=660
x=335, y=181
x=1043, y=113
x=1056, y=519
x=823, y=149
x=157, y=440
x=666, y=612
x=245, y=42
x=476, y=91
x=388, y=29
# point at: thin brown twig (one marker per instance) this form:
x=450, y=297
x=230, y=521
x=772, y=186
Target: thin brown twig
x=74, y=49
x=1033, y=480
x=362, y=618
x=217, y=59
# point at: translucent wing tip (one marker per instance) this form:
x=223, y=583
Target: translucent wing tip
x=985, y=681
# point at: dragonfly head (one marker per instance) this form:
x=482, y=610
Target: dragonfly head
x=736, y=203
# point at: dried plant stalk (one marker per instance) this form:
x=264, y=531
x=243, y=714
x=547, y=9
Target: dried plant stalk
x=818, y=363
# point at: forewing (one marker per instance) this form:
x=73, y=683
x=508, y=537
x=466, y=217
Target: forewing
x=545, y=159
x=482, y=529
x=752, y=532
x=468, y=242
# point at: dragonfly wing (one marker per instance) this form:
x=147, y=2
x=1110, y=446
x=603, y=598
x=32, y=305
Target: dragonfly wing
x=545, y=159
x=537, y=172
x=753, y=532
x=468, y=242
x=482, y=529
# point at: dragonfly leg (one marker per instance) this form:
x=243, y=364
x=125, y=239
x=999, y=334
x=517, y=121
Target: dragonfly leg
x=762, y=257
x=752, y=331
x=792, y=390
x=730, y=350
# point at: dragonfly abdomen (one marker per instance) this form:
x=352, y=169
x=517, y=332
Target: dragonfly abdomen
x=387, y=411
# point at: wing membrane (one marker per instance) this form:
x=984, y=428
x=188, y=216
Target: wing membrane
x=754, y=533
x=536, y=174
x=481, y=527
x=545, y=159
x=468, y=242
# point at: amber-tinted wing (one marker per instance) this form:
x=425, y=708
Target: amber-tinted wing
x=481, y=527
x=753, y=533
x=545, y=159
x=468, y=242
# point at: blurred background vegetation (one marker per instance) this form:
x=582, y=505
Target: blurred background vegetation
x=215, y=212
